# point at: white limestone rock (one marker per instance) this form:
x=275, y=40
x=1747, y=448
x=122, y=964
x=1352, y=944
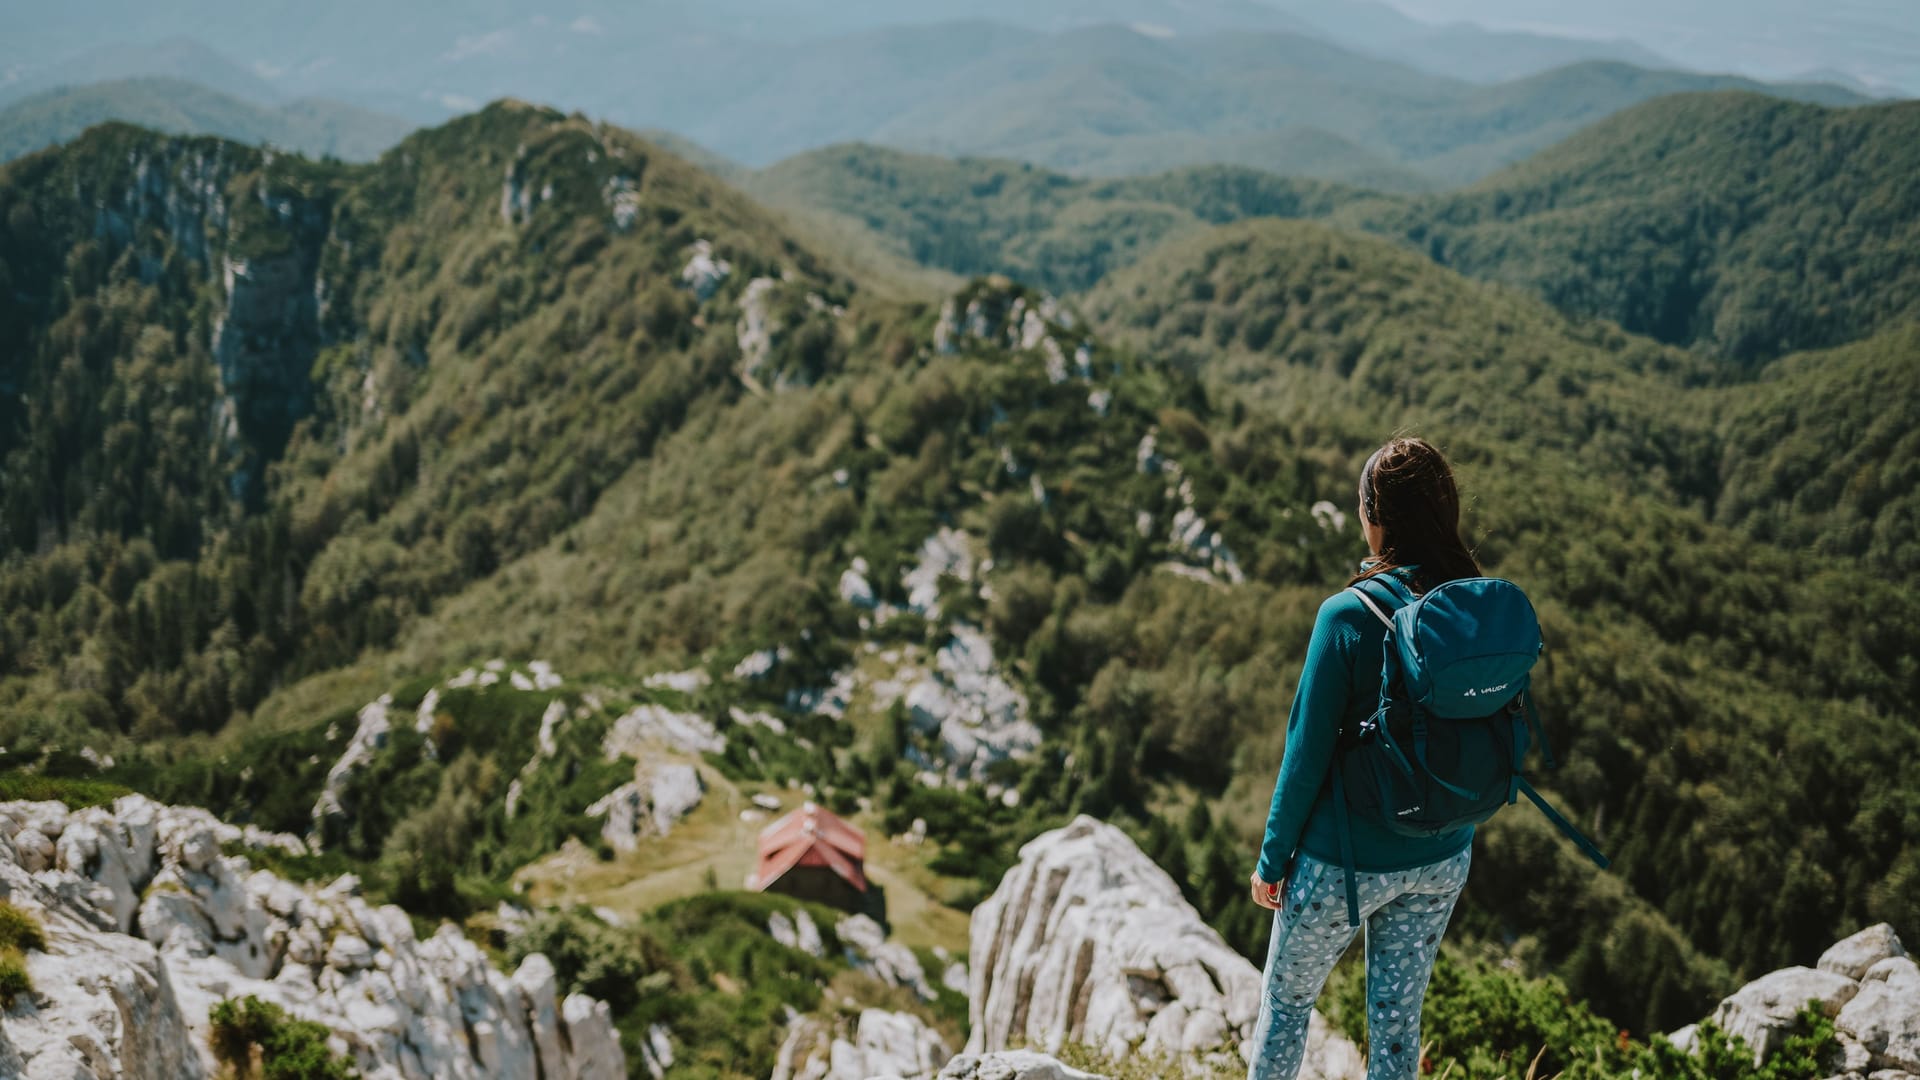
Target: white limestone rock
x=649, y=805
x=1011, y=1065
x=656, y=1053
x=891, y=962
x=1854, y=955
x=648, y=726
x=587, y=1026
x=855, y=589
x=979, y=715
x=754, y=332
x=758, y=665
x=944, y=554
x=1087, y=941
x=369, y=735
x=111, y=1005
x=35, y=848
x=879, y=1044
x=691, y=681
x=1763, y=1012
x=704, y=270
x=1884, y=1018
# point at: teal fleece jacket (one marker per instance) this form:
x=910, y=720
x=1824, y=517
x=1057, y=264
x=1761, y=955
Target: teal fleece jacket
x=1339, y=687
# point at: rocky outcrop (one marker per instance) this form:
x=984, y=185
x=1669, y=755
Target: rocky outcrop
x=649, y=805
x=799, y=932
x=892, y=963
x=647, y=727
x=754, y=331
x=878, y=1044
x=704, y=270
x=1205, y=552
x=999, y=315
x=1866, y=983
x=977, y=715
x=1087, y=941
x=149, y=926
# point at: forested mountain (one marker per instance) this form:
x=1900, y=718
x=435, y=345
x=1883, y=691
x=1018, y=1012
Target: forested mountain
x=37, y=71
x=1703, y=689
x=315, y=127
x=983, y=216
x=1820, y=453
x=288, y=445
x=1111, y=101
x=1740, y=225
x=1746, y=225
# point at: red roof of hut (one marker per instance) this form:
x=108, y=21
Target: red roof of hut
x=811, y=836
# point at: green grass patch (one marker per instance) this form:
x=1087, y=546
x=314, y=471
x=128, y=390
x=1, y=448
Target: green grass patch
x=78, y=794
x=20, y=932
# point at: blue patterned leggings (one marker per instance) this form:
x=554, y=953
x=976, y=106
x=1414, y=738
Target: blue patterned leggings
x=1405, y=912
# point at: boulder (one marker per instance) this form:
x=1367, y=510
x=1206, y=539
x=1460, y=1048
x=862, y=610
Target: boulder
x=1087, y=941
x=1893, y=969
x=891, y=1044
x=1854, y=955
x=35, y=848
x=657, y=797
x=879, y=1044
x=587, y=1028
x=891, y=962
x=1884, y=1017
x=1763, y=1012
x=1011, y=1065
x=648, y=726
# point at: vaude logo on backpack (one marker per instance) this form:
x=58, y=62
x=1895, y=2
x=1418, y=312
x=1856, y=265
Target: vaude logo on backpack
x=1456, y=716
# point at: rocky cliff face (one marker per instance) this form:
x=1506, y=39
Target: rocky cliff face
x=262, y=247
x=1087, y=941
x=149, y=925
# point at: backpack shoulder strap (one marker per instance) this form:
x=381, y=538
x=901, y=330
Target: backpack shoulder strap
x=1384, y=618
x=1397, y=595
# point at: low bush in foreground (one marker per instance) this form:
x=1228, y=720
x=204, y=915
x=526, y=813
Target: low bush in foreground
x=255, y=1038
x=20, y=932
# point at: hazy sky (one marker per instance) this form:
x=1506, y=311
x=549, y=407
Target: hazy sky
x=1869, y=39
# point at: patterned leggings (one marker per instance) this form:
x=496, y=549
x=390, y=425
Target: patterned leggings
x=1405, y=912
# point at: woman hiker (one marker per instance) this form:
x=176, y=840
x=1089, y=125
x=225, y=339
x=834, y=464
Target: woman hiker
x=1410, y=513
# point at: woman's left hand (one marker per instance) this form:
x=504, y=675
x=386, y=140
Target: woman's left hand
x=1265, y=893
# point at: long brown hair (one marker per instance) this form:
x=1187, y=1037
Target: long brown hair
x=1407, y=489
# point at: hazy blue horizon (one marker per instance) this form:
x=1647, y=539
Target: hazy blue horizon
x=1875, y=43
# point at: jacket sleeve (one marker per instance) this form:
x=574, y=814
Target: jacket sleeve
x=1313, y=727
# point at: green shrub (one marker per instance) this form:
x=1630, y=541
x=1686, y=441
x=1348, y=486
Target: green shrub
x=77, y=794
x=289, y=1049
x=20, y=929
x=14, y=980
x=1480, y=1021
x=20, y=933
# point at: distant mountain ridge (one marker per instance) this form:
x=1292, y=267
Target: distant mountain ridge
x=1736, y=223
x=310, y=126
x=1110, y=100
x=1095, y=89
x=1741, y=224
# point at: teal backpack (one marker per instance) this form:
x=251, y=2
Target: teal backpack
x=1444, y=749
